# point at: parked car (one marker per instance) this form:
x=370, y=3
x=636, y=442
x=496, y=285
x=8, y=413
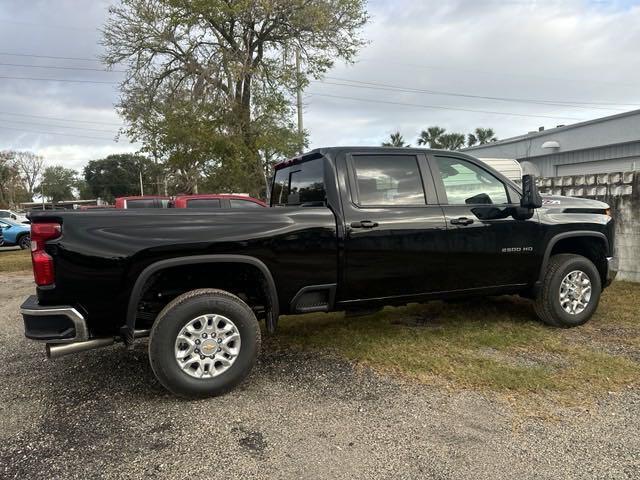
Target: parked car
x=147, y=201
x=221, y=200
x=351, y=229
x=1, y=237
x=11, y=215
x=15, y=233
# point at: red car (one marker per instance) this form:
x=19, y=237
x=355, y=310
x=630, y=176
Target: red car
x=147, y=201
x=221, y=200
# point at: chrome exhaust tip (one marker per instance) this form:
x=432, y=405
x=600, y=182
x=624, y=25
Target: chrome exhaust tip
x=60, y=350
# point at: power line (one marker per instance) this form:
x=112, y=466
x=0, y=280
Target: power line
x=53, y=57
x=54, y=133
x=497, y=73
x=400, y=90
x=51, y=67
x=47, y=25
x=60, y=119
x=562, y=103
x=442, y=107
x=62, y=126
x=58, y=80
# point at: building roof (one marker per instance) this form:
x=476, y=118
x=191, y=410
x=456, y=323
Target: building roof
x=554, y=131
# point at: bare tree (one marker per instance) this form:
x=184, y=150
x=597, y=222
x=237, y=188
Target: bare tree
x=30, y=167
x=11, y=187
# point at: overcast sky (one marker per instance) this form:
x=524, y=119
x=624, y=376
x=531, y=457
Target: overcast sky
x=583, y=54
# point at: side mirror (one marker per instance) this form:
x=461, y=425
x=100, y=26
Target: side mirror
x=530, y=196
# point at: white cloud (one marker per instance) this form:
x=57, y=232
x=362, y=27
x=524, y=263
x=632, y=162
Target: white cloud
x=565, y=51
x=560, y=50
x=76, y=156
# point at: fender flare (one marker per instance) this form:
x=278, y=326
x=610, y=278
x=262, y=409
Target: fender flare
x=146, y=274
x=561, y=236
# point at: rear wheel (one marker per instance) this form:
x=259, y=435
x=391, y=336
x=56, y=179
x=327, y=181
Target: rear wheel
x=204, y=343
x=570, y=291
x=24, y=242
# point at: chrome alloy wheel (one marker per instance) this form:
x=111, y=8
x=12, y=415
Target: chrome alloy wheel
x=575, y=292
x=207, y=346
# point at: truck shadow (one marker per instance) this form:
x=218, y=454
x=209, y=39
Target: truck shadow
x=79, y=378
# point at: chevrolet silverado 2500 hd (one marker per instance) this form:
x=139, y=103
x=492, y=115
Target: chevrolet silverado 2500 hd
x=348, y=229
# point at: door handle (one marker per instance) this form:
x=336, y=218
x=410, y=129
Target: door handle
x=364, y=224
x=462, y=221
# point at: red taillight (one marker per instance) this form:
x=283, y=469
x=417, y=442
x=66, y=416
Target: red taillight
x=42, y=261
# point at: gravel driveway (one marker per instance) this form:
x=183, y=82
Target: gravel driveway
x=102, y=414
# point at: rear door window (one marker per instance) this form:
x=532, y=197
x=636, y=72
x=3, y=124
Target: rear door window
x=388, y=180
x=204, y=203
x=142, y=203
x=236, y=203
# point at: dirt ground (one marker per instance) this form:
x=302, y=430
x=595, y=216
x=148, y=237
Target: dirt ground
x=102, y=414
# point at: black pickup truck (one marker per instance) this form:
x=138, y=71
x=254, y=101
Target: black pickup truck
x=349, y=229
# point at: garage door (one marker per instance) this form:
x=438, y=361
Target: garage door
x=600, y=166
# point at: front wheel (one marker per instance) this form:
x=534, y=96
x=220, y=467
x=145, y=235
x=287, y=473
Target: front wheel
x=204, y=343
x=570, y=291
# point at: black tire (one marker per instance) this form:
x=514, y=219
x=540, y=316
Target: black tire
x=24, y=242
x=547, y=303
x=172, y=320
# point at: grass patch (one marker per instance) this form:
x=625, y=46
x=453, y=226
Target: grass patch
x=492, y=343
x=15, y=260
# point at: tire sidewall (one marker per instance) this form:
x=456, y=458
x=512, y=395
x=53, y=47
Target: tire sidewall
x=584, y=265
x=173, y=319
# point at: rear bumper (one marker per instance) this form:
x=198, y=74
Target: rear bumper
x=612, y=270
x=53, y=324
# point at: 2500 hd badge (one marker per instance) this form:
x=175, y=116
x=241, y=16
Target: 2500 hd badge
x=517, y=249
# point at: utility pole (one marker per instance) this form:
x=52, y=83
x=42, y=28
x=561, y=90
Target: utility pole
x=141, y=186
x=299, y=101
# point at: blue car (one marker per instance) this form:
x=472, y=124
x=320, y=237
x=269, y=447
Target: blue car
x=14, y=233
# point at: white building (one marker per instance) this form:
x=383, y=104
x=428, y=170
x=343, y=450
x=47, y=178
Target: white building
x=608, y=144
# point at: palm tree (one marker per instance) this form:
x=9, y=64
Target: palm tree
x=431, y=137
x=452, y=141
x=396, y=140
x=482, y=136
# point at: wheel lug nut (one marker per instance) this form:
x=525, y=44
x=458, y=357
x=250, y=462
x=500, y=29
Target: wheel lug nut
x=197, y=342
x=219, y=340
x=201, y=357
x=204, y=335
x=197, y=350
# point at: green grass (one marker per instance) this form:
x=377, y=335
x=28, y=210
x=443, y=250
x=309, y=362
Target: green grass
x=494, y=343
x=15, y=260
